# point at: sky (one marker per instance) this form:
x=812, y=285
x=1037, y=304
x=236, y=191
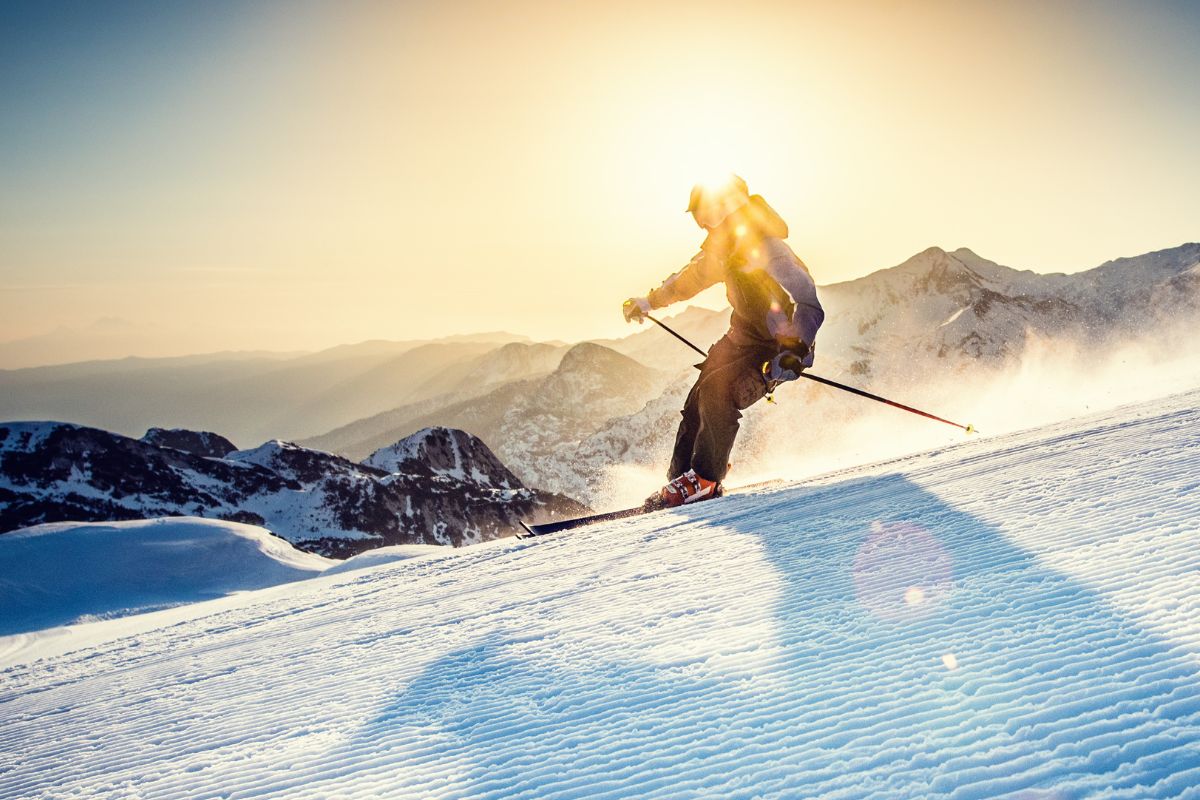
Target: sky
x=294, y=175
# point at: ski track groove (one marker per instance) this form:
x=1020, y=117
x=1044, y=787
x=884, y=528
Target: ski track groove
x=737, y=650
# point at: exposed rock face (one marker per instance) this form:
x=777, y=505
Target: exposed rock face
x=444, y=452
x=199, y=443
x=52, y=472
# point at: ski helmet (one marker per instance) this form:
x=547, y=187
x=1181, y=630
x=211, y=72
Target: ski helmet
x=729, y=188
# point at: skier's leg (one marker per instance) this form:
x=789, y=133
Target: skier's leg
x=722, y=396
x=685, y=437
x=730, y=380
x=718, y=429
x=718, y=357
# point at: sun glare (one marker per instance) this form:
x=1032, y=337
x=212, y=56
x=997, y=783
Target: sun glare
x=714, y=182
x=673, y=136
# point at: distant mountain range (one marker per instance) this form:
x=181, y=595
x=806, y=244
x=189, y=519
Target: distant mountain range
x=530, y=421
x=438, y=486
x=114, y=338
x=108, y=338
x=558, y=416
x=910, y=329
x=960, y=308
x=255, y=398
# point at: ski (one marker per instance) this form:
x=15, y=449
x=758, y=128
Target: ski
x=578, y=522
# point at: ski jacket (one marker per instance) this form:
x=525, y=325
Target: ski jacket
x=773, y=295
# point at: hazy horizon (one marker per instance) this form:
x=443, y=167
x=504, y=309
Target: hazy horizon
x=109, y=338
x=291, y=176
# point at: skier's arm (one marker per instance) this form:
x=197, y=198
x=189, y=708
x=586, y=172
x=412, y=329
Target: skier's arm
x=807, y=315
x=703, y=271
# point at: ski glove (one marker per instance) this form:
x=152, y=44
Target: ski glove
x=635, y=308
x=785, y=366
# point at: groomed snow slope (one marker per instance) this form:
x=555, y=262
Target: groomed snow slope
x=1013, y=617
x=65, y=572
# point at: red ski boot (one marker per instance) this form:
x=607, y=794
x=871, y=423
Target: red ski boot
x=687, y=488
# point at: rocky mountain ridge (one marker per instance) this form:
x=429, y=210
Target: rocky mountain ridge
x=953, y=310
x=559, y=416
x=319, y=502
x=938, y=316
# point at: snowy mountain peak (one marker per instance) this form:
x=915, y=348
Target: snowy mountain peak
x=29, y=435
x=445, y=452
x=322, y=503
x=933, y=271
x=928, y=253
x=1159, y=263
x=264, y=452
x=297, y=463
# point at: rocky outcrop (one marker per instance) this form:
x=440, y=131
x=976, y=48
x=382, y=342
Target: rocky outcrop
x=442, y=487
x=440, y=452
x=199, y=443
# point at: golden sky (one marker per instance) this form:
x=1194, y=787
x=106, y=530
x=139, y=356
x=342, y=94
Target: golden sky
x=296, y=175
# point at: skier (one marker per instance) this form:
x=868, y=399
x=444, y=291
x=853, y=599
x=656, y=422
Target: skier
x=771, y=334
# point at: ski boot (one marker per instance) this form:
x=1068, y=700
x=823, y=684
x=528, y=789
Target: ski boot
x=687, y=488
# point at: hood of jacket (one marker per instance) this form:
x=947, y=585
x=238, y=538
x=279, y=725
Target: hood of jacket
x=757, y=221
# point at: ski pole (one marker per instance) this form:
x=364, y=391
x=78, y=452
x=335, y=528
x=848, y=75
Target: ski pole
x=676, y=335
x=834, y=384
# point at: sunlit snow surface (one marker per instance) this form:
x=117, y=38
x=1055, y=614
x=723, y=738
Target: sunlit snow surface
x=64, y=572
x=1014, y=617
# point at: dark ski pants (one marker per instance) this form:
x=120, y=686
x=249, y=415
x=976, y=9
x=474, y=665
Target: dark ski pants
x=730, y=381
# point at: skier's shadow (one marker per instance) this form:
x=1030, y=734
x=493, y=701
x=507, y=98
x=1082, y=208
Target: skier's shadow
x=945, y=660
